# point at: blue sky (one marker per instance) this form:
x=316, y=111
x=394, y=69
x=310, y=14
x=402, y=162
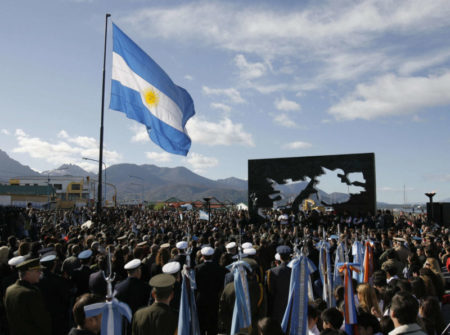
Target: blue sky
x=269, y=79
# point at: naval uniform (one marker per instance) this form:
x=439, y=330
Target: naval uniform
x=134, y=292
x=26, y=311
x=209, y=277
x=277, y=281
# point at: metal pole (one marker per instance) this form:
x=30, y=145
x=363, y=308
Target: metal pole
x=100, y=159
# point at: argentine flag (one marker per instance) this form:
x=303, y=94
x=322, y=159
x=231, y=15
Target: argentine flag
x=145, y=93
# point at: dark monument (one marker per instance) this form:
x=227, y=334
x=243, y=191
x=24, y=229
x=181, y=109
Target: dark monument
x=268, y=179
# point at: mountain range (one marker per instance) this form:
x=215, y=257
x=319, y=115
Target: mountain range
x=152, y=183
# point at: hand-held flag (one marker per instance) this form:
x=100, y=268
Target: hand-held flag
x=295, y=319
x=144, y=92
x=350, y=316
x=112, y=312
x=242, y=314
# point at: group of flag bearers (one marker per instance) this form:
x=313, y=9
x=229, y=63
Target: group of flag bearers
x=160, y=318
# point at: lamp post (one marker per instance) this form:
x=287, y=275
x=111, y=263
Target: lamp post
x=142, y=184
x=104, y=164
x=430, y=195
x=208, y=203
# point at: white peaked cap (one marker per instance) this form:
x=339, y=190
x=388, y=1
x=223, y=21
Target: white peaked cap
x=231, y=245
x=133, y=264
x=48, y=258
x=249, y=251
x=182, y=245
x=247, y=245
x=171, y=268
x=207, y=251
x=16, y=260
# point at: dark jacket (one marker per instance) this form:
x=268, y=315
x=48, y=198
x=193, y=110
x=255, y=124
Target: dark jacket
x=133, y=292
x=25, y=310
x=277, y=282
x=155, y=319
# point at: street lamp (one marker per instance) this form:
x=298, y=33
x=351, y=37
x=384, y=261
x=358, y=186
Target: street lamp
x=142, y=184
x=208, y=203
x=430, y=195
x=104, y=164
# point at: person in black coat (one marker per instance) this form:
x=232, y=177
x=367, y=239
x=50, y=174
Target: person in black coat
x=56, y=293
x=97, y=282
x=80, y=276
x=209, y=277
x=133, y=291
x=277, y=282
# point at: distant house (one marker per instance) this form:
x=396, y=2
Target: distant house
x=241, y=206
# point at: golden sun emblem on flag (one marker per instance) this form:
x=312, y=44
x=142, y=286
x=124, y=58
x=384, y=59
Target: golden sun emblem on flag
x=151, y=97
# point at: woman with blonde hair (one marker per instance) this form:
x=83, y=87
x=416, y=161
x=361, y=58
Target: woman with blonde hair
x=433, y=264
x=368, y=301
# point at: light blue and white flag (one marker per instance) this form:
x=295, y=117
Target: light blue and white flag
x=296, y=314
x=203, y=215
x=188, y=316
x=112, y=312
x=145, y=93
x=242, y=313
x=339, y=258
x=358, y=257
x=326, y=275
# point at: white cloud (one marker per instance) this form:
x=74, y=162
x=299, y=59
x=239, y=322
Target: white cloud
x=262, y=30
x=68, y=150
x=140, y=134
x=286, y=105
x=393, y=95
x=424, y=62
x=188, y=77
x=160, y=157
x=284, y=120
x=62, y=134
x=225, y=132
x=249, y=70
x=5, y=132
x=200, y=162
x=231, y=93
x=223, y=107
x=297, y=145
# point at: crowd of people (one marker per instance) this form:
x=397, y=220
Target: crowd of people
x=54, y=263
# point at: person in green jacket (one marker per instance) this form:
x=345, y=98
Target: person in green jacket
x=24, y=304
x=159, y=317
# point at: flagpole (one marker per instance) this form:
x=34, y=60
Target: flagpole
x=100, y=158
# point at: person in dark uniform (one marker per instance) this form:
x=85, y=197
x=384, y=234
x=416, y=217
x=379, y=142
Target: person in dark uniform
x=81, y=275
x=84, y=325
x=97, y=282
x=56, y=293
x=277, y=283
x=24, y=304
x=133, y=291
x=174, y=269
x=258, y=301
x=181, y=257
x=209, y=277
x=157, y=318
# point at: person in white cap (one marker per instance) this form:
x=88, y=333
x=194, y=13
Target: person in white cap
x=133, y=291
x=174, y=268
x=209, y=277
x=181, y=257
